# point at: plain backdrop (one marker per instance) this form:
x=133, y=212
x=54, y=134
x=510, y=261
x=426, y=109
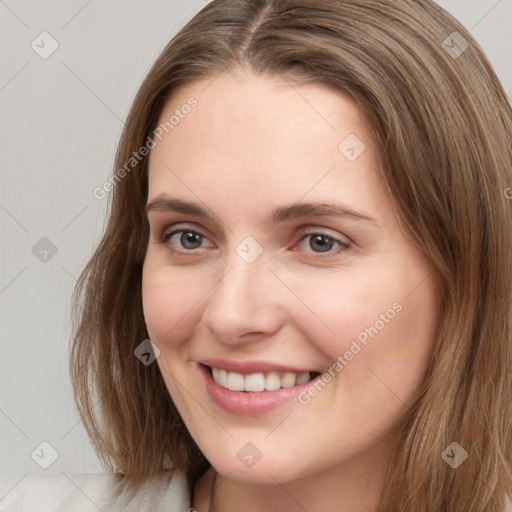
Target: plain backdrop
x=60, y=119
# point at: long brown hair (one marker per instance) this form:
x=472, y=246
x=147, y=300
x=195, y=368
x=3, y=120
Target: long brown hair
x=444, y=126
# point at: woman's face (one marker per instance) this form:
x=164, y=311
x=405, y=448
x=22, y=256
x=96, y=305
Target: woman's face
x=274, y=251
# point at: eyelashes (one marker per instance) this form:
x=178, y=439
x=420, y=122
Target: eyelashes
x=188, y=241
x=323, y=242
x=187, y=238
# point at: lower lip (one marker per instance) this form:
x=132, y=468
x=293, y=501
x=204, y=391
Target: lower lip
x=246, y=403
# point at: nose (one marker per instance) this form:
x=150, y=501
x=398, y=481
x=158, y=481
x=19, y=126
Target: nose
x=244, y=305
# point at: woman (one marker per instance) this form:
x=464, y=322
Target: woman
x=310, y=223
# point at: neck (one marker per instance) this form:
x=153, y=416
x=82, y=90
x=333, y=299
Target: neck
x=351, y=488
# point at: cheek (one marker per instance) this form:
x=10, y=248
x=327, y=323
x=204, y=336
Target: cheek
x=408, y=342
x=171, y=301
x=344, y=305
x=171, y=304
x=376, y=323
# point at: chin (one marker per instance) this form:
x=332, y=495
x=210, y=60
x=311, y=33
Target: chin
x=267, y=470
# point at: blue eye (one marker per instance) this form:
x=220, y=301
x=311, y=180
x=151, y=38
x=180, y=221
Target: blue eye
x=187, y=239
x=321, y=243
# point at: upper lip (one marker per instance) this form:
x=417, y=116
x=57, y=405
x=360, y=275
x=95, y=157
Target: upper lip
x=249, y=367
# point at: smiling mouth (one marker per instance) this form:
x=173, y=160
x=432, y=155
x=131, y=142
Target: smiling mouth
x=259, y=382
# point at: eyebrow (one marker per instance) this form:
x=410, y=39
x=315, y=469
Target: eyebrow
x=164, y=203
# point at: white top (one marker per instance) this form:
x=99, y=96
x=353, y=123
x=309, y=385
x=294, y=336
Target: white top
x=93, y=492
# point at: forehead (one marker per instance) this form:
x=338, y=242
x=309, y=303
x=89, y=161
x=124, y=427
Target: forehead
x=262, y=104
x=263, y=138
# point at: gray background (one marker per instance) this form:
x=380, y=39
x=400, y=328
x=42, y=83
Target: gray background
x=61, y=118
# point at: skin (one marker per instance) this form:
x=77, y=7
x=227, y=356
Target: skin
x=253, y=144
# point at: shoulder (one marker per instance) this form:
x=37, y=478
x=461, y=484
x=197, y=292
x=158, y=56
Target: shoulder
x=90, y=492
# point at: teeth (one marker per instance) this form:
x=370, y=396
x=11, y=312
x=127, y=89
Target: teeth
x=235, y=382
x=257, y=382
x=289, y=380
x=302, y=379
x=272, y=382
x=254, y=382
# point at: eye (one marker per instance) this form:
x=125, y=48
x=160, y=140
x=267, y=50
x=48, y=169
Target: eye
x=185, y=239
x=322, y=243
